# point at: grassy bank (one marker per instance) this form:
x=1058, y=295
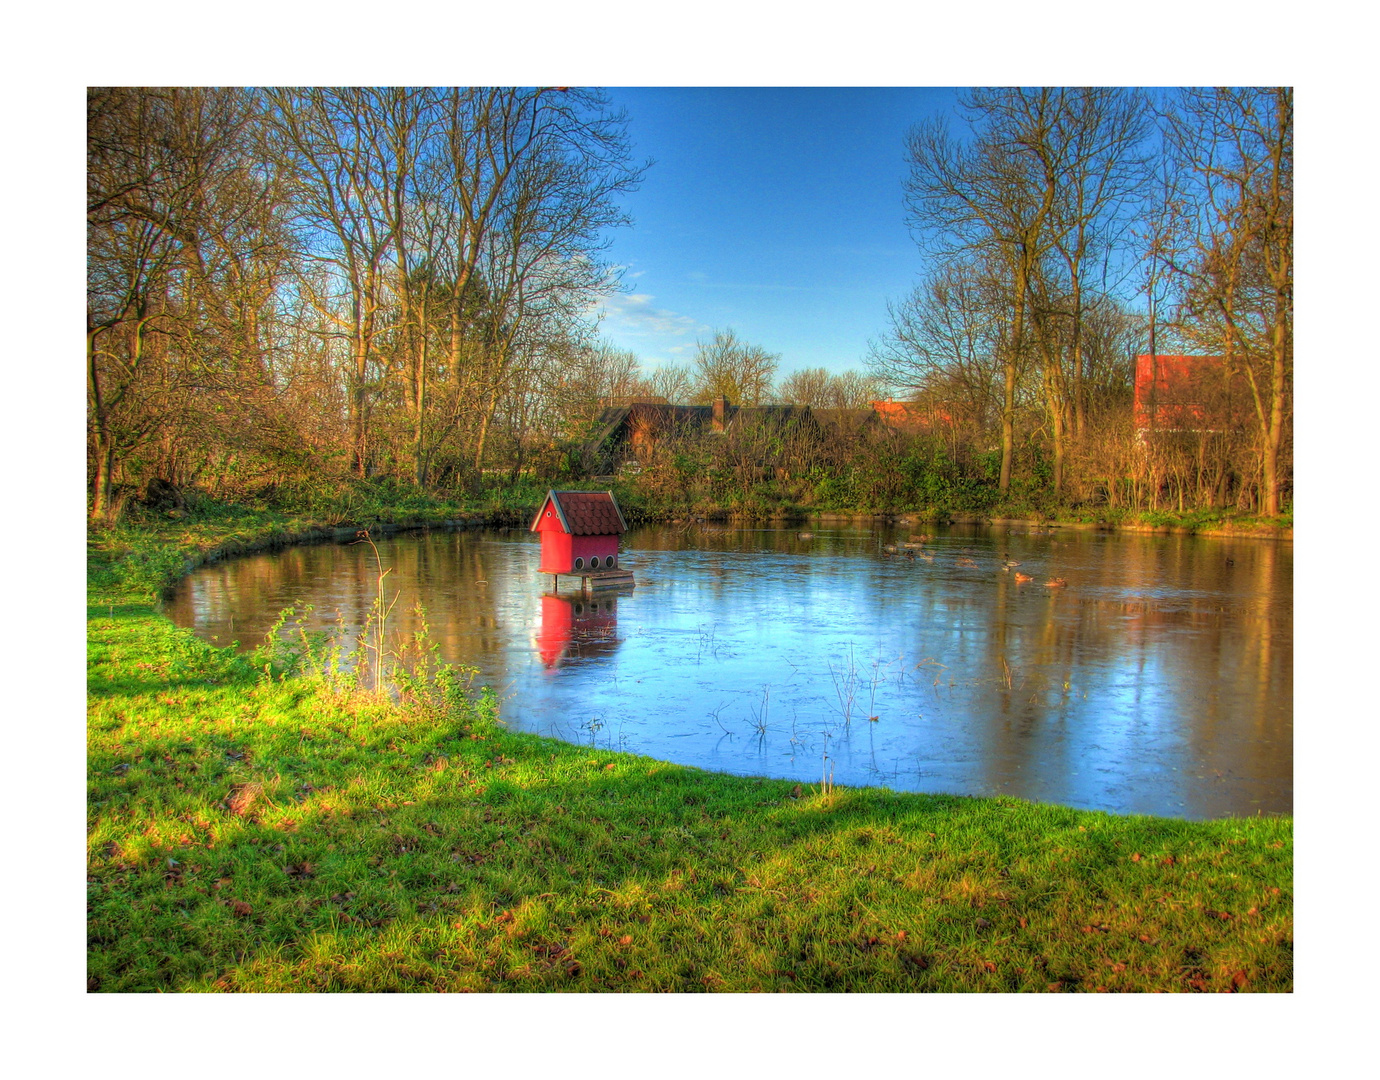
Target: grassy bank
x=250, y=829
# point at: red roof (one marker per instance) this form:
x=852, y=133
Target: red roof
x=910, y=415
x=585, y=513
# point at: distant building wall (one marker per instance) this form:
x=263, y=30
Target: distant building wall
x=909, y=416
x=1186, y=393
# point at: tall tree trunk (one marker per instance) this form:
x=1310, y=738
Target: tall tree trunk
x=359, y=401
x=484, y=432
x=105, y=453
x=419, y=455
x=1080, y=407
x=1008, y=406
x=1275, y=434
x=1056, y=413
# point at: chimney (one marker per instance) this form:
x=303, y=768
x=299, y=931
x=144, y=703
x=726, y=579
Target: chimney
x=720, y=412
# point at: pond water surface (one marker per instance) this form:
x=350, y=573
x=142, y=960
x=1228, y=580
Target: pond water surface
x=1158, y=680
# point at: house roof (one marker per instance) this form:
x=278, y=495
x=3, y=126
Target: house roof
x=695, y=419
x=585, y=513
x=847, y=419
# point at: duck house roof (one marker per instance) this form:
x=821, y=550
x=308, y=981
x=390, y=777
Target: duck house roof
x=584, y=513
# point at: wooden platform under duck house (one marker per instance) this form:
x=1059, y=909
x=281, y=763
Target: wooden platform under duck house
x=609, y=580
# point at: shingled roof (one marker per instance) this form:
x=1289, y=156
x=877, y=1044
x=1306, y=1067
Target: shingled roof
x=586, y=513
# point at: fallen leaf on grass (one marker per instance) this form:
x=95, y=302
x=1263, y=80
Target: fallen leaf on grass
x=983, y=924
x=1239, y=981
x=239, y=907
x=242, y=797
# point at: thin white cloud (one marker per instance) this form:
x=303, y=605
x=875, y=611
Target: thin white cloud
x=633, y=313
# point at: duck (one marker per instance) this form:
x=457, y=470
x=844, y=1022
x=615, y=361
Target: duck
x=804, y=536
x=1007, y=562
x=888, y=549
x=1055, y=583
x=1021, y=579
x=965, y=561
x=928, y=556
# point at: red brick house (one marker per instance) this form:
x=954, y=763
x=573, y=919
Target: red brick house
x=1186, y=394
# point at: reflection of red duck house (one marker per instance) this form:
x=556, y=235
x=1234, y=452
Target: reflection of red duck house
x=579, y=535
x=587, y=624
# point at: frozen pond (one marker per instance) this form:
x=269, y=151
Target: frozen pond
x=1159, y=680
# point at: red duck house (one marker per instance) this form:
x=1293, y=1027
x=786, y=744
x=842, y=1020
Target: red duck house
x=579, y=535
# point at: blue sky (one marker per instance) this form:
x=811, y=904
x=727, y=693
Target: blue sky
x=774, y=212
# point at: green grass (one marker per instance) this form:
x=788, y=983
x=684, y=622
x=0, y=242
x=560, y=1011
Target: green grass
x=249, y=831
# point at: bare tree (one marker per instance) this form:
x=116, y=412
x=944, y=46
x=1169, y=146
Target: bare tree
x=185, y=255
x=1105, y=167
x=1238, y=144
x=808, y=386
x=946, y=341
x=996, y=194
x=820, y=388
x=325, y=138
x=673, y=382
x=455, y=224
x=733, y=369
